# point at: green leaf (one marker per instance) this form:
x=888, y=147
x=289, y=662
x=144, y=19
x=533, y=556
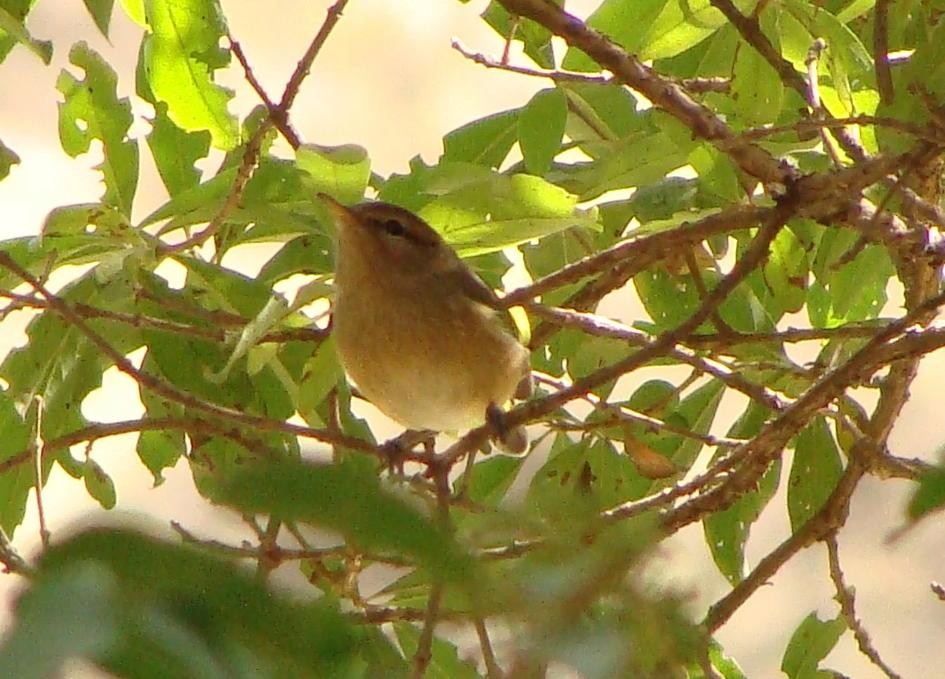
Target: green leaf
x=16, y=482
x=101, y=12
x=599, y=112
x=99, y=484
x=181, y=53
x=175, y=151
x=535, y=38
x=644, y=157
x=727, y=531
x=445, y=662
x=92, y=110
x=160, y=450
x=135, y=11
x=12, y=27
x=60, y=363
x=486, y=141
x=76, y=613
x=540, y=128
x=756, y=89
x=679, y=27
x=8, y=159
x=814, y=472
x=930, y=495
x=626, y=22
x=351, y=502
x=786, y=271
x=340, y=171
x=198, y=616
x=811, y=642
x=491, y=479
x=322, y=374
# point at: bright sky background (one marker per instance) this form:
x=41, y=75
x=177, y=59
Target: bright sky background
x=389, y=81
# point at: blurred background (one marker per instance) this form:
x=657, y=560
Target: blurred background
x=388, y=80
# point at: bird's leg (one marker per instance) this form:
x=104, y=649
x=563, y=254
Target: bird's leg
x=395, y=449
x=511, y=439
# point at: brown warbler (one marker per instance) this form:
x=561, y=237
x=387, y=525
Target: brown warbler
x=417, y=331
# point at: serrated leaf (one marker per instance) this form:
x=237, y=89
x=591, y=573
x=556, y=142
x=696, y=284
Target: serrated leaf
x=814, y=472
x=92, y=110
x=60, y=363
x=811, y=642
x=175, y=151
x=181, y=53
x=541, y=127
x=16, y=482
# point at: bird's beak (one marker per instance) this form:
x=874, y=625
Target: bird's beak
x=344, y=217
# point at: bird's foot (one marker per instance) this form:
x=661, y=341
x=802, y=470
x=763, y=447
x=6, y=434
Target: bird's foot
x=395, y=450
x=512, y=440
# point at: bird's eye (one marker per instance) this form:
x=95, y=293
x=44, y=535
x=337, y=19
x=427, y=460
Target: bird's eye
x=393, y=227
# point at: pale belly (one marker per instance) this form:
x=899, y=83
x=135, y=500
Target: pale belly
x=441, y=378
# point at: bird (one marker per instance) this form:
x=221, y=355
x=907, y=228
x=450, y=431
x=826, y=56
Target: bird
x=420, y=335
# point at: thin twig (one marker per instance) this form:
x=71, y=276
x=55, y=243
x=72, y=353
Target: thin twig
x=825, y=521
x=846, y=598
x=493, y=671
x=170, y=392
x=11, y=559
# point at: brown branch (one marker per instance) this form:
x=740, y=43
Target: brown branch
x=424, y=653
x=847, y=601
x=532, y=410
x=278, y=115
x=751, y=33
x=280, y=121
x=170, y=392
x=917, y=131
x=884, y=82
x=493, y=671
x=774, y=436
x=305, y=63
x=663, y=92
x=11, y=559
x=644, y=250
x=599, y=326
x=826, y=521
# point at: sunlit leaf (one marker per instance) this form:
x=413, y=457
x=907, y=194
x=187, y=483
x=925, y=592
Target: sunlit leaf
x=92, y=110
x=181, y=53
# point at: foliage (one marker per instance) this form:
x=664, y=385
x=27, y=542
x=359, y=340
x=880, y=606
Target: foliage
x=738, y=168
